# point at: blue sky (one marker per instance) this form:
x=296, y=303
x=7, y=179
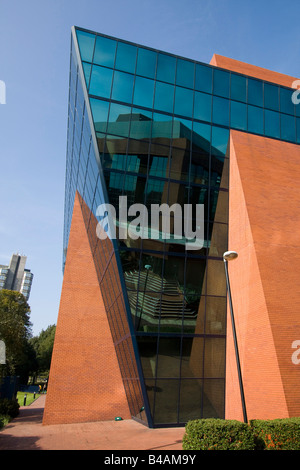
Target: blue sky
x=34, y=64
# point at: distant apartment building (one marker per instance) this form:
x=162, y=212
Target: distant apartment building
x=15, y=276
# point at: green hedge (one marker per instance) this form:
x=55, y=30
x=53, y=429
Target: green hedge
x=277, y=434
x=9, y=407
x=217, y=434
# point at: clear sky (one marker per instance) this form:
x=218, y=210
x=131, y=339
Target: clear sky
x=34, y=64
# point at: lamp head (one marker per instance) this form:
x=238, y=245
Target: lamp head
x=230, y=255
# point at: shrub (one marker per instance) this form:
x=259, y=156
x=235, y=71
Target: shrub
x=218, y=434
x=9, y=407
x=277, y=434
x=4, y=420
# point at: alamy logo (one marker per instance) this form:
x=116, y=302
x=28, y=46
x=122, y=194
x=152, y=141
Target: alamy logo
x=296, y=93
x=166, y=223
x=2, y=92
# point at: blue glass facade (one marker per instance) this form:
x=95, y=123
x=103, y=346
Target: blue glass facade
x=155, y=127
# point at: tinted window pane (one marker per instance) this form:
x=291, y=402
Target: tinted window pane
x=201, y=136
x=166, y=66
x=271, y=97
x=220, y=111
x=122, y=87
x=146, y=63
x=100, y=113
x=255, y=92
x=238, y=115
x=126, y=57
x=87, y=72
x=255, y=120
x=298, y=130
x=203, y=78
x=119, y=120
x=238, y=88
x=185, y=73
x=202, y=106
x=105, y=51
x=86, y=43
x=101, y=79
x=164, y=97
x=288, y=127
x=183, y=102
x=286, y=104
x=272, y=127
x=221, y=83
x=219, y=140
x=143, y=92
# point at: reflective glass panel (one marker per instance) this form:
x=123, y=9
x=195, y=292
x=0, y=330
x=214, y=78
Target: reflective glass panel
x=221, y=83
x=286, y=104
x=166, y=401
x=215, y=318
x=100, y=113
x=122, y=87
x=298, y=129
x=164, y=97
x=126, y=57
x=146, y=63
x=288, y=127
x=143, y=92
x=166, y=67
x=202, y=106
x=86, y=43
x=255, y=119
x=168, y=364
x=255, y=92
x=220, y=138
x=272, y=124
x=185, y=73
x=183, y=102
x=271, y=96
x=238, y=88
x=220, y=111
x=101, y=80
x=105, y=51
x=238, y=115
x=87, y=72
x=203, y=78
x=201, y=136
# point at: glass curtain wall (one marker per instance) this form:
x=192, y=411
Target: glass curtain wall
x=162, y=127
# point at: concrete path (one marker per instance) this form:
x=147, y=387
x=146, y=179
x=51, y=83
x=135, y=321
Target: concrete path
x=26, y=432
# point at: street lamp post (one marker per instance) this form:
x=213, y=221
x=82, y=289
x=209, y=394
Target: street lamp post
x=228, y=256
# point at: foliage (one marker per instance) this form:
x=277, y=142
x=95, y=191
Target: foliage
x=277, y=434
x=9, y=407
x=15, y=328
x=217, y=434
x=4, y=420
x=43, y=346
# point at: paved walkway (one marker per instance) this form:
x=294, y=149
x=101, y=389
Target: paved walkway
x=26, y=432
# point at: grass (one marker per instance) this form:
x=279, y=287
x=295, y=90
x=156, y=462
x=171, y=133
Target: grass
x=29, y=398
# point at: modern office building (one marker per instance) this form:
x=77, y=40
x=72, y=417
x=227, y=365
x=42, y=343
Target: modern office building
x=142, y=329
x=15, y=276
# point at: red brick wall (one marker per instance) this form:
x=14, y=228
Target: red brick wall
x=264, y=228
x=85, y=383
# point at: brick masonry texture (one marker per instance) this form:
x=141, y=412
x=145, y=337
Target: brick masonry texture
x=264, y=228
x=85, y=382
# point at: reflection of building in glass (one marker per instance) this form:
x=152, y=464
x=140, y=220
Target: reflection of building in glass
x=155, y=128
x=15, y=276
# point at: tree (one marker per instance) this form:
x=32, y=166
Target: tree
x=15, y=329
x=43, y=346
